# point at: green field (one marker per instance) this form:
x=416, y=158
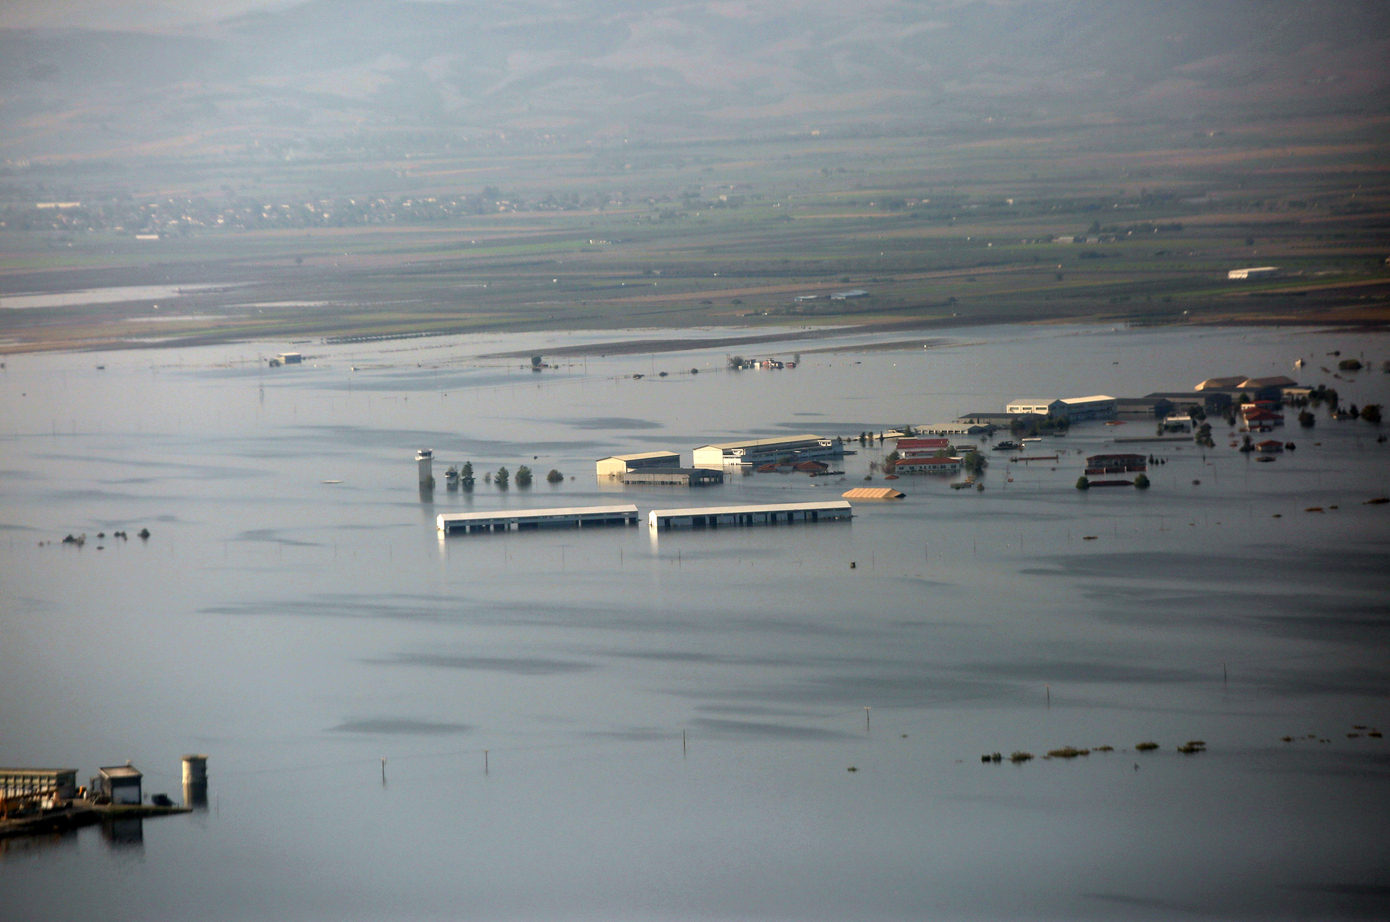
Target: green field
x=940, y=228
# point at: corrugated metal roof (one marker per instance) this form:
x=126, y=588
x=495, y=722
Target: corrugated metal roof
x=872, y=493
x=121, y=771
x=626, y=508
x=761, y=443
x=642, y=456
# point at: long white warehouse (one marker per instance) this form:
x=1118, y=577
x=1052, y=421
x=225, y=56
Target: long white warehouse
x=715, y=516
x=571, y=517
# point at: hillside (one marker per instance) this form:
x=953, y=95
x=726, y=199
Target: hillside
x=336, y=71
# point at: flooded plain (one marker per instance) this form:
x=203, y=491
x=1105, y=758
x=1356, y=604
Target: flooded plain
x=757, y=723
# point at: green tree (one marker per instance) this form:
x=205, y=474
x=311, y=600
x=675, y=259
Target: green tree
x=501, y=477
x=1142, y=482
x=554, y=476
x=1371, y=413
x=1082, y=483
x=1307, y=420
x=466, y=475
x=523, y=476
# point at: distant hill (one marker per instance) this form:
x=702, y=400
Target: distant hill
x=619, y=68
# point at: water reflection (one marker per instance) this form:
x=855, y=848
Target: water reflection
x=124, y=832
x=22, y=846
x=195, y=795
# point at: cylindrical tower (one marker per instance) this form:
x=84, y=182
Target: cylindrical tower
x=424, y=458
x=195, y=780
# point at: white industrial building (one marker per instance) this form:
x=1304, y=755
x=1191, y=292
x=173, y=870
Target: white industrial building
x=618, y=465
x=761, y=451
x=1043, y=406
x=1073, y=409
x=1098, y=406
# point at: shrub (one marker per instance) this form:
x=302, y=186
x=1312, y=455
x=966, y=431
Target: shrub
x=523, y=476
x=554, y=476
x=1141, y=482
x=1082, y=483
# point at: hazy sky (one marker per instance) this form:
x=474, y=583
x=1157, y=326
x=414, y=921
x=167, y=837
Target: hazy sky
x=122, y=14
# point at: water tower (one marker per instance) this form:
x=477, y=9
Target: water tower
x=424, y=458
x=195, y=780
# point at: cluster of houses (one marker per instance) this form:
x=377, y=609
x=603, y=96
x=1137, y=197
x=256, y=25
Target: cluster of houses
x=927, y=448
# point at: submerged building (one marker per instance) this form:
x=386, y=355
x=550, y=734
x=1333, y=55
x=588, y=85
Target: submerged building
x=674, y=476
x=1072, y=409
x=452, y=523
x=734, y=516
x=761, y=451
x=618, y=465
x=1116, y=464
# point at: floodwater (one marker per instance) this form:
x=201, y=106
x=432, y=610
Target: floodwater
x=760, y=723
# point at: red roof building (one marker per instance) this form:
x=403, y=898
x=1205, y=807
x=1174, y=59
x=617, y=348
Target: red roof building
x=927, y=466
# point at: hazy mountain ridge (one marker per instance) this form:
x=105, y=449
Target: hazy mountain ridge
x=587, y=68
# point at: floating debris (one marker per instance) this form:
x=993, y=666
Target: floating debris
x=1375, y=734
x=1313, y=509
x=1378, y=501
x=852, y=769
x=1146, y=747
x=1192, y=746
x=1088, y=537
x=1104, y=749
x=1067, y=752
x=1017, y=757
